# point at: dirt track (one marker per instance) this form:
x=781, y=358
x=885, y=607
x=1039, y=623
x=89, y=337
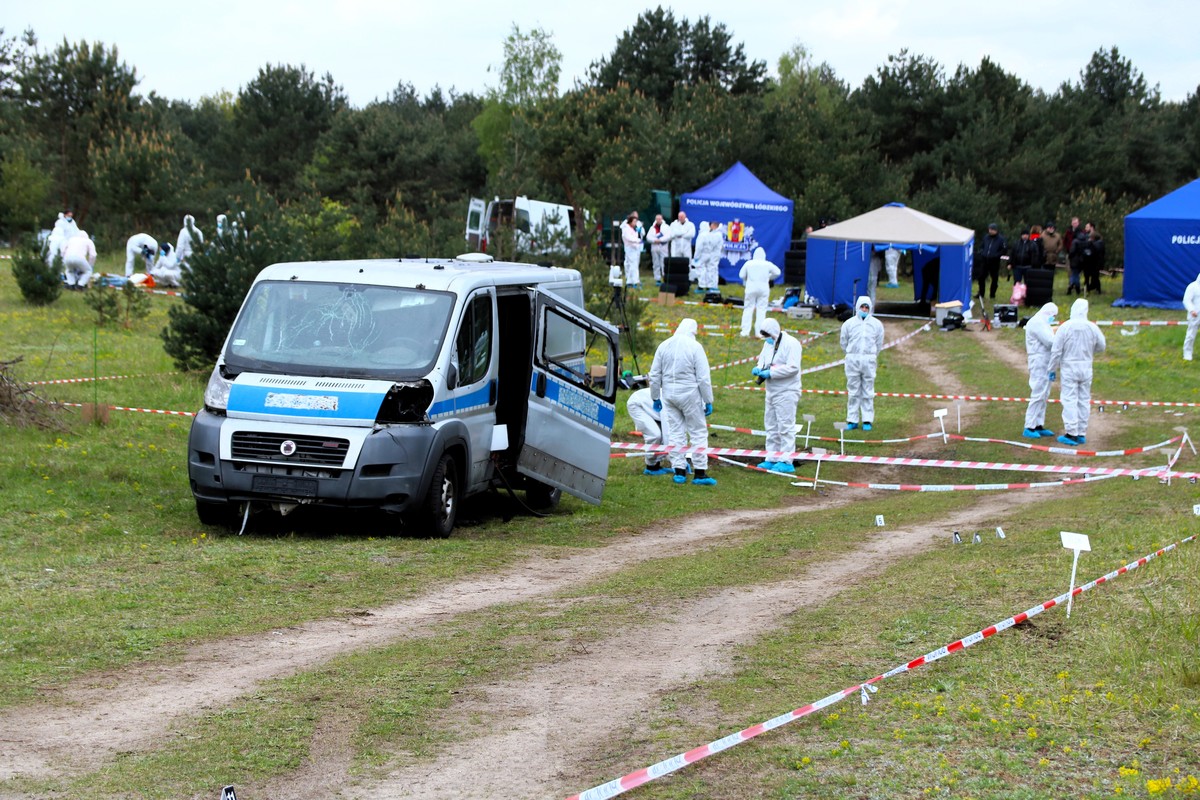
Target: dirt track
x=547, y=724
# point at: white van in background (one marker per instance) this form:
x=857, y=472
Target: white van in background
x=537, y=227
x=405, y=386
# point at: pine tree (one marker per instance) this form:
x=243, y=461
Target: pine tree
x=218, y=278
x=40, y=283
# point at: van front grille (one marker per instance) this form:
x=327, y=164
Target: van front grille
x=255, y=446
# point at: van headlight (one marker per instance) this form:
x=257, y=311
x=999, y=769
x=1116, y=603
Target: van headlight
x=216, y=394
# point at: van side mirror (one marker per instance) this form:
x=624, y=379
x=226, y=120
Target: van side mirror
x=452, y=377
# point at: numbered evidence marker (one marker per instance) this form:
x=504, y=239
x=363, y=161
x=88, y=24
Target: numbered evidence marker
x=228, y=794
x=879, y=520
x=940, y=415
x=999, y=532
x=1077, y=542
x=1196, y=509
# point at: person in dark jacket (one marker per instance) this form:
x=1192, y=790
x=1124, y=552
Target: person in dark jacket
x=1079, y=241
x=992, y=248
x=1093, y=261
x=1027, y=253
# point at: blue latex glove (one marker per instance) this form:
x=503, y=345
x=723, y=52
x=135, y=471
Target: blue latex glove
x=1053, y=375
x=658, y=405
x=708, y=409
x=764, y=373
x=756, y=372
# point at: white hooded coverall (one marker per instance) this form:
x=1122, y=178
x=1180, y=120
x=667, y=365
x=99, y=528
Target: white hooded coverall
x=1039, y=340
x=1191, y=304
x=782, y=358
x=756, y=275
x=640, y=406
x=861, y=339
x=1078, y=340
x=133, y=251
x=631, y=238
x=79, y=257
x=659, y=239
x=190, y=237
x=709, y=245
x=680, y=378
x=891, y=259
x=166, y=270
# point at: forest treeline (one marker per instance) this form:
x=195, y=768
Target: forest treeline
x=673, y=105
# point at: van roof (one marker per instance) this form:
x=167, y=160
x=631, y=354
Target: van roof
x=462, y=273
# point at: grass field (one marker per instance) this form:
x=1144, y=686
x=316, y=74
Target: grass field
x=106, y=568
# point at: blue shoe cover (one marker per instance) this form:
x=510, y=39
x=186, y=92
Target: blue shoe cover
x=659, y=471
x=782, y=466
x=1081, y=439
x=1045, y=432
x=1029, y=433
x=704, y=482
x=765, y=465
x=866, y=426
x=1068, y=440
x=680, y=479
x=851, y=426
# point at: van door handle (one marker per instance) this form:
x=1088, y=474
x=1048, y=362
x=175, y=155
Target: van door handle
x=492, y=393
x=541, y=384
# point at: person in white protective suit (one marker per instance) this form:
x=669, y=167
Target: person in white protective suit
x=648, y=422
x=79, y=259
x=709, y=246
x=1075, y=345
x=891, y=260
x=681, y=386
x=166, y=270
x=190, y=238
x=658, y=236
x=683, y=232
x=1039, y=340
x=140, y=245
x=1191, y=304
x=862, y=339
x=631, y=238
x=57, y=238
x=779, y=368
x=223, y=226
x=756, y=275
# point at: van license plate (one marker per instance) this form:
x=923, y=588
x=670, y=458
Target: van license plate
x=293, y=487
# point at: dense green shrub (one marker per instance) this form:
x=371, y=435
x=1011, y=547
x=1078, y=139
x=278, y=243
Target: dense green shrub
x=40, y=284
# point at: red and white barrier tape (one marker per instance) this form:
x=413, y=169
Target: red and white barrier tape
x=1148, y=472
x=662, y=326
x=979, y=397
x=681, y=760
x=130, y=408
x=1131, y=323
x=1064, y=451
x=89, y=380
x=753, y=359
x=839, y=362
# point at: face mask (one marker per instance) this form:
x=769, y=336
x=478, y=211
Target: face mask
x=770, y=340
x=862, y=314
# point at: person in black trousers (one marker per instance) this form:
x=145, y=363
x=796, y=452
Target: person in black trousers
x=992, y=248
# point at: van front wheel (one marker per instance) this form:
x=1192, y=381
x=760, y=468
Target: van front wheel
x=438, y=510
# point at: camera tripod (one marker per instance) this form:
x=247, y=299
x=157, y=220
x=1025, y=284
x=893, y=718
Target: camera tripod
x=617, y=301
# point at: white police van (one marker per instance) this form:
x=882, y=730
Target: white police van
x=406, y=386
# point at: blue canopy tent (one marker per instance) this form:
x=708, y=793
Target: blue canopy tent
x=737, y=195
x=839, y=256
x=1162, y=249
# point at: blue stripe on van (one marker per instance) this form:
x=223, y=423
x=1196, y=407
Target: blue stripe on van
x=463, y=402
x=577, y=401
x=315, y=404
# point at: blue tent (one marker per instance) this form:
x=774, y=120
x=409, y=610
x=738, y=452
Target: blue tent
x=1162, y=249
x=839, y=256
x=737, y=195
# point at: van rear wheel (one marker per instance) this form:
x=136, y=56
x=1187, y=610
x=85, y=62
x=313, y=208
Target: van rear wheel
x=439, y=508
